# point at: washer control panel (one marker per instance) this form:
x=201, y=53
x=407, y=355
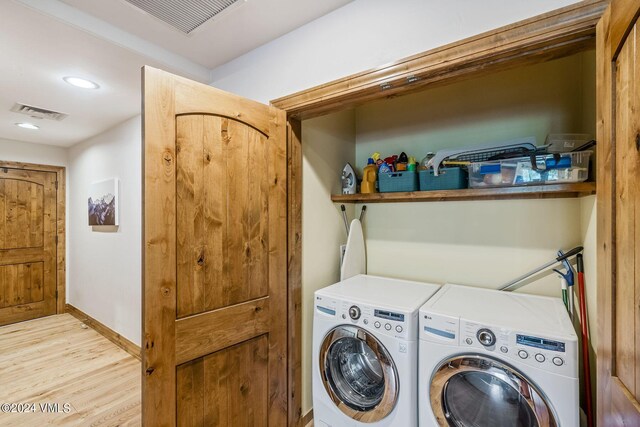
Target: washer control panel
x=382, y=321
x=541, y=352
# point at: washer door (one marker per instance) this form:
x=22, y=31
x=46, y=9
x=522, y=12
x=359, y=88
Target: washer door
x=358, y=373
x=479, y=391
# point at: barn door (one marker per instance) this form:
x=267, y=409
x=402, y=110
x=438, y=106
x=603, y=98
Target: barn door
x=618, y=53
x=215, y=271
x=27, y=244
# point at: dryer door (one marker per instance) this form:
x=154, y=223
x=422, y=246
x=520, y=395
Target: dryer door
x=476, y=390
x=358, y=373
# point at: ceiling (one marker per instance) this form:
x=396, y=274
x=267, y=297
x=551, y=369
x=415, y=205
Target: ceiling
x=108, y=41
x=239, y=29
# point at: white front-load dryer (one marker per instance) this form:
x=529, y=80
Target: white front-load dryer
x=496, y=359
x=365, y=352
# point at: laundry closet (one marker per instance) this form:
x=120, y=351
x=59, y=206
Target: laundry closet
x=478, y=240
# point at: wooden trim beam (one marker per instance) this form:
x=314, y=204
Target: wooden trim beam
x=205, y=333
x=61, y=259
x=548, y=36
x=605, y=228
x=294, y=272
x=105, y=331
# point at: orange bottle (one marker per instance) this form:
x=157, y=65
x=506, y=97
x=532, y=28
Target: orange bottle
x=369, y=178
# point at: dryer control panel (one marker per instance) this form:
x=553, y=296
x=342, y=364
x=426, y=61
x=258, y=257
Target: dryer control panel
x=548, y=353
x=543, y=352
x=382, y=321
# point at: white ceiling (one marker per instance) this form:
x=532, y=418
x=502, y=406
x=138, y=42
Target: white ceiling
x=241, y=28
x=108, y=41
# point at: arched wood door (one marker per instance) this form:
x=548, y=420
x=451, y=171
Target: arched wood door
x=618, y=74
x=28, y=257
x=215, y=270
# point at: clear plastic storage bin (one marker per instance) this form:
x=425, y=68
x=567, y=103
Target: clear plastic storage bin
x=546, y=169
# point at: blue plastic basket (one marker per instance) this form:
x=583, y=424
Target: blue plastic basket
x=447, y=179
x=398, y=181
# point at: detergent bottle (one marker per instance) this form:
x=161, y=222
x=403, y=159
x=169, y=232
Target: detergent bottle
x=369, y=177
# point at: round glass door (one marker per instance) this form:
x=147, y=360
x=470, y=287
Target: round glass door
x=358, y=373
x=479, y=391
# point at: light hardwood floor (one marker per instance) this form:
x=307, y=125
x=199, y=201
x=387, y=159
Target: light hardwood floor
x=55, y=360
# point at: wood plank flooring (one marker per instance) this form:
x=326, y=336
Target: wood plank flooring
x=54, y=360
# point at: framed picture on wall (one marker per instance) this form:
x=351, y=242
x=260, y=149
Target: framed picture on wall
x=103, y=202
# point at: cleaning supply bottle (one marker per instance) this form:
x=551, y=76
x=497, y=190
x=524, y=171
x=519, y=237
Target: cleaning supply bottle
x=412, y=164
x=369, y=177
x=425, y=163
x=402, y=162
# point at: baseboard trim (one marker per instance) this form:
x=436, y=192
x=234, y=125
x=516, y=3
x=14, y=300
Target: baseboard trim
x=307, y=418
x=105, y=331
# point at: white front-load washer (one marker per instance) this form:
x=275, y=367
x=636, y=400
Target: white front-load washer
x=365, y=355
x=496, y=359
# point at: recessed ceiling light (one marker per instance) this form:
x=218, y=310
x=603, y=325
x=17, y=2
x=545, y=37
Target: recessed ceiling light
x=80, y=82
x=28, y=126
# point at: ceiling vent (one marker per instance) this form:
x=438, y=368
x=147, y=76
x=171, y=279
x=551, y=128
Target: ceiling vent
x=37, y=112
x=185, y=15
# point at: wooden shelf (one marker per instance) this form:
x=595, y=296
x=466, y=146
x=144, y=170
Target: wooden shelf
x=504, y=193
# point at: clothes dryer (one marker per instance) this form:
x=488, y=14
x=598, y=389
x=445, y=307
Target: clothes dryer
x=496, y=359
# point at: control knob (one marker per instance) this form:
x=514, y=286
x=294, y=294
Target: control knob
x=354, y=312
x=486, y=337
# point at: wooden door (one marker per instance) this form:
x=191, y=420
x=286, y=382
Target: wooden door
x=27, y=244
x=215, y=248
x=618, y=68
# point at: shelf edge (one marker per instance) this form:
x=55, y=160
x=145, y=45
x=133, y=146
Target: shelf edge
x=502, y=193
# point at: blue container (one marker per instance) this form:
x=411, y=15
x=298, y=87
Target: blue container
x=398, y=181
x=447, y=179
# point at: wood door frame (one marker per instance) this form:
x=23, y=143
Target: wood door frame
x=612, y=395
x=61, y=267
x=541, y=38
x=605, y=228
x=552, y=35
x=294, y=272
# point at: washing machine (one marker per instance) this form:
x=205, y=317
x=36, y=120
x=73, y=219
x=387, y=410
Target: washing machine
x=496, y=359
x=365, y=352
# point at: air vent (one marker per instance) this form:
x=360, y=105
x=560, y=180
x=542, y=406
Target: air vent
x=37, y=112
x=185, y=15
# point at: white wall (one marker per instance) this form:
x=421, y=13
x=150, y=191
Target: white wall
x=26, y=152
x=361, y=35
x=104, y=267
x=327, y=144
